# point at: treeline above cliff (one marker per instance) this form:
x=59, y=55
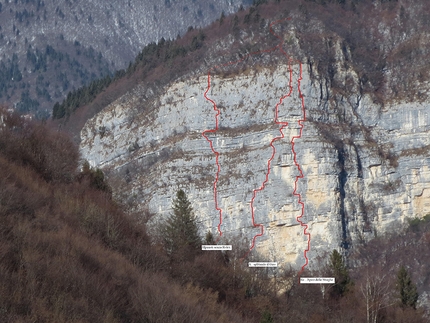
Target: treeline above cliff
x=383, y=42
x=164, y=52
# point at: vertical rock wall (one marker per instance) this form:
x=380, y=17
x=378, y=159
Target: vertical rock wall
x=366, y=167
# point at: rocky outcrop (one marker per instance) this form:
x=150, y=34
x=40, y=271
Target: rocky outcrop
x=365, y=165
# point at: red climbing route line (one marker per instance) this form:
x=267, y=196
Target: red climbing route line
x=218, y=112
x=213, y=131
x=299, y=196
x=298, y=219
x=282, y=124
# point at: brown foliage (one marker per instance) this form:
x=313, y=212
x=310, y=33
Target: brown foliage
x=49, y=153
x=69, y=254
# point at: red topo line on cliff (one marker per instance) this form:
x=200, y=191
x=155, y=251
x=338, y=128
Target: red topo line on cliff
x=213, y=131
x=218, y=112
x=282, y=124
x=299, y=196
x=298, y=219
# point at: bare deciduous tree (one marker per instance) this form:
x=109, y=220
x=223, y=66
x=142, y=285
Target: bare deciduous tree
x=376, y=291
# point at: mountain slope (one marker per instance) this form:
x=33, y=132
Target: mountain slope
x=69, y=253
x=50, y=47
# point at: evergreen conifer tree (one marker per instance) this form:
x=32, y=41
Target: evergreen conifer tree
x=266, y=317
x=221, y=19
x=180, y=231
x=209, y=238
x=340, y=273
x=407, y=289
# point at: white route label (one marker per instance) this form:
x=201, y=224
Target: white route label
x=317, y=280
x=216, y=247
x=262, y=264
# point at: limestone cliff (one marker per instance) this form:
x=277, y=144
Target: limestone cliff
x=366, y=165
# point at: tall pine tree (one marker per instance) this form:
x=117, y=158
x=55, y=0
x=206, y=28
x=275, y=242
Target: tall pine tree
x=407, y=289
x=339, y=271
x=180, y=231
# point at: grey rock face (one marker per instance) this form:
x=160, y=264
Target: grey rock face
x=366, y=167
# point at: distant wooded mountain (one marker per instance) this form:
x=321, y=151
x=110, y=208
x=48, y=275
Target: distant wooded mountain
x=51, y=47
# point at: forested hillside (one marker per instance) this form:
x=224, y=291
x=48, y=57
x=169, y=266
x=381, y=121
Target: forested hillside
x=49, y=48
x=69, y=253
